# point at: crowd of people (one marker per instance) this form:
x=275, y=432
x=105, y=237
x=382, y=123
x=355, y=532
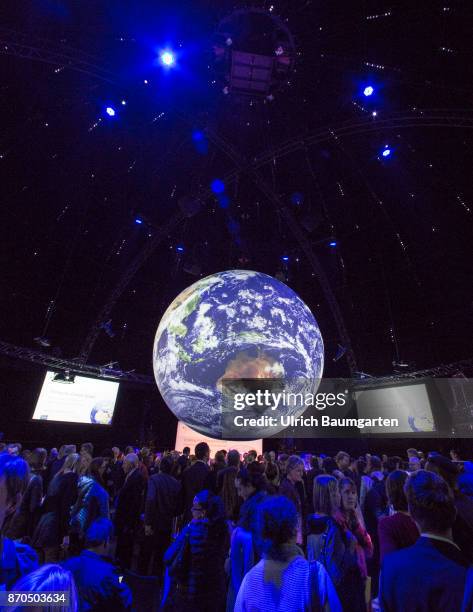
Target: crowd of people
x=268, y=533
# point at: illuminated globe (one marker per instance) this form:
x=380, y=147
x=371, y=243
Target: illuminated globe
x=234, y=325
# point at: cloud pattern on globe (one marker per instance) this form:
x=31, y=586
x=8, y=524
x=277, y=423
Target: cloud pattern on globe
x=234, y=324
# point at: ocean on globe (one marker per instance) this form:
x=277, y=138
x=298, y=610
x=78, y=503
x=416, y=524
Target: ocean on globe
x=237, y=324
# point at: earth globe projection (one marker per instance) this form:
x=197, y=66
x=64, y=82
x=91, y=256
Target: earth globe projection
x=237, y=324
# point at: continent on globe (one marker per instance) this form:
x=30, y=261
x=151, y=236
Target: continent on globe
x=236, y=324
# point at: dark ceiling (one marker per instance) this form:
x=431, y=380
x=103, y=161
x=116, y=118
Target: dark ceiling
x=73, y=181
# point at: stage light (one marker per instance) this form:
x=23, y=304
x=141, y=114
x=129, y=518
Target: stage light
x=368, y=91
x=111, y=112
x=386, y=152
x=138, y=221
x=180, y=249
x=167, y=59
x=123, y=102
x=332, y=244
x=217, y=186
x=285, y=258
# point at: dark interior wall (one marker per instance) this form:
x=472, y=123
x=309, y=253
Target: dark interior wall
x=140, y=414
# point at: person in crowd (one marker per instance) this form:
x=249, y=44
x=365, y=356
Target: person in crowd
x=463, y=524
x=288, y=488
x=161, y=507
x=16, y=559
x=455, y=454
x=465, y=479
x=329, y=466
x=311, y=475
x=351, y=520
x=53, y=527
x=333, y=545
x=196, y=558
x=414, y=464
x=99, y=583
x=251, y=487
x=226, y=486
x=397, y=530
x=14, y=449
x=232, y=467
x=128, y=510
x=283, y=579
x=194, y=478
x=23, y=522
x=87, y=448
x=218, y=465
x=49, y=577
x=56, y=465
x=429, y=576
x=271, y=471
x=92, y=500
x=184, y=460
x=343, y=462
x=412, y=452
x=282, y=460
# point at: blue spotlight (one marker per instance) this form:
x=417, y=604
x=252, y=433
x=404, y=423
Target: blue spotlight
x=386, y=152
x=223, y=200
x=111, y=112
x=297, y=198
x=368, y=91
x=139, y=221
x=167, y=59
x=332, y=244
x=217, y=186
x=180, y=249
x=285, y=258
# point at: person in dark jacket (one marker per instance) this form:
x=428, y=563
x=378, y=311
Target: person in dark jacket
x=128, y=510
x=161, y=506
x=331, y=544
x=92, y=501
x=16, y=559
x=97, y=579
x=56, y=465
x=53, y=527
x=288, y=488
x=205, y=540
x=23, y=522
x=463, y=525
x=429, y=576
x=397, y=530
x=194, y=478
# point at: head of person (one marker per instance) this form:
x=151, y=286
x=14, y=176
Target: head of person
x=97, y=468
x=455, y=454
x=50, y=577
x=276, y=526
x=414, y=464
x=208, y=506
x=361, y=466
x=14, y=449
x=445, y=468
x=69, y=449
x=186, y=451
x=219, y=460
x=88, y=448
x=294, y=469
x=348, y=494
x=343, y=460
x=249, y=482
x=98, y=537
x=14, y=477
x=71, y=463
x=233, y=458
x=329, y=465
x=166, y=465
x=395, y=483
x=412, y=452
x=392, y=464
x=430, y=502
x=314, y=462
x=131, y=462
x=326, y=495
x=202, y=451
x=37, y=459
x=272, y=455
x=375, y=464
x=116, y=452
x=84, y=464
x=129, y=449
